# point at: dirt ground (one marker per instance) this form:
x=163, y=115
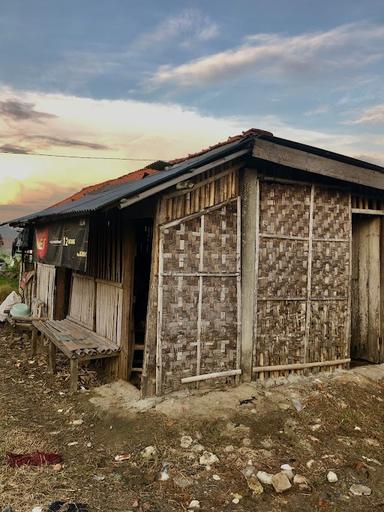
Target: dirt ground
x=328, y=422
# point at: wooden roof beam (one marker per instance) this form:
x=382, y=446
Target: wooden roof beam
x=315, y=164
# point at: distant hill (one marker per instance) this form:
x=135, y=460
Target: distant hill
x=8, y=234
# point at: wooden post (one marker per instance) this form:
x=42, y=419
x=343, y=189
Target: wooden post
x=74, y=375
x=249, y=267
x=127, y=332
x=51, y=357
x=148, y=380
x=34, y=342
x=309, y=278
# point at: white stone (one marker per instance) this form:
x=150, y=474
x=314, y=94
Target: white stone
x=194, y=505
x=248, y=471
x=236, y=498
x=288, y=470
x=208, y=458
x=164, y=475
x=37, y=509
x=281, y=482
x=77, y=422
x=360, y=490
x=229, y=448
x=265, y=478
x=310, y=463
x=149, y=452
x=300, y=480
x=332, y=477
x=216, y=477
x=186, y=441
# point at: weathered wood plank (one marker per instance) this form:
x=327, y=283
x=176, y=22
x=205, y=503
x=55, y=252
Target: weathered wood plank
x=316, y=164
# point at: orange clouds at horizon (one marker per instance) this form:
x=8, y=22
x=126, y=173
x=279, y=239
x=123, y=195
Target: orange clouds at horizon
x=33, y=122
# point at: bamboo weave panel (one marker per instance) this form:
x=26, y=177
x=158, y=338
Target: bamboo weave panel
x=179, y=330
x=282, y=268
x=328, y=331
x=331, y=215
x=182, y=246
x=179, y=333
x=330, y=269
x=220, y=239
x=283, y=273
x=284, y=209
x=219, y=324
x=280, y=333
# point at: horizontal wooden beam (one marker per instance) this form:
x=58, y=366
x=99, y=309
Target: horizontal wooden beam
x=316, y=164
x=363, y=211
x=185, y=176
x=299, y=366
x=206, y=376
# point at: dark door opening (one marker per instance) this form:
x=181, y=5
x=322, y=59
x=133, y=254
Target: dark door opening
x=367, y=291
x=142, y=272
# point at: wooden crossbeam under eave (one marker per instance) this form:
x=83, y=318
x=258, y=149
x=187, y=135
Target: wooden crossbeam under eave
x=316, y=164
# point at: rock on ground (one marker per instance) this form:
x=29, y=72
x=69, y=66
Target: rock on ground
x=281, y=482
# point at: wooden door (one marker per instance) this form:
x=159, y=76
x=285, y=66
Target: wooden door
x=198, y=331
x=367, y=333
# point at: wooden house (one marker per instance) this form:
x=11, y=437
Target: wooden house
x=257, y=258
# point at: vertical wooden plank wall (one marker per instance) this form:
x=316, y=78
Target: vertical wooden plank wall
x=367, y=289
x=45, y=287
x=82, y=301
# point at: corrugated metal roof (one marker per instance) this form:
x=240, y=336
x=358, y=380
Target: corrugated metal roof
x=113, y=193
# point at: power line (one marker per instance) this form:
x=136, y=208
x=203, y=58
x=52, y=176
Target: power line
x=85, y=157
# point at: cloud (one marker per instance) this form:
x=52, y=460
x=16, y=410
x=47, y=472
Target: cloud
x=21, y=111
x=322, y=109
x=48, y=140
x=372, y=115
x=308, y=54
x=190, y=26
x=126, y=129
x=32, y=198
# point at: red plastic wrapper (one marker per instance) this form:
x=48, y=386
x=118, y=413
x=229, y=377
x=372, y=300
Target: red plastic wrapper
x=15, y=460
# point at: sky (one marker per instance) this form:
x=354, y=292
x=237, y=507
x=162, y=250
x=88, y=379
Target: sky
x=150, y=80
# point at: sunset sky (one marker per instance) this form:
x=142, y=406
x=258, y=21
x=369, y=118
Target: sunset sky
x=160, y=79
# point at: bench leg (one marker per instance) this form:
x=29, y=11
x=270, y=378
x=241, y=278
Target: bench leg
x=52, y=358
x=74, y=375
x=34, y=343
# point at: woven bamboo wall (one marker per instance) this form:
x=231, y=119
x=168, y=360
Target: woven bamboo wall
x=303, y=276
x=199, y=286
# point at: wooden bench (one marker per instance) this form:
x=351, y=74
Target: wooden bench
x=78, y=343
x=24, y=323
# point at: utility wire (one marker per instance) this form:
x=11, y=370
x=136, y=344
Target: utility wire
x=82, y=157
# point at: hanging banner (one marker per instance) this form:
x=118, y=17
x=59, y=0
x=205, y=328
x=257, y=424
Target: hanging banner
x=63, y=244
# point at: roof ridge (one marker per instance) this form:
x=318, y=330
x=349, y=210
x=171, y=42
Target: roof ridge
x=142, y=173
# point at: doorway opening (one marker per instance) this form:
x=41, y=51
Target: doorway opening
x=367, y=290
x=142, y=272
